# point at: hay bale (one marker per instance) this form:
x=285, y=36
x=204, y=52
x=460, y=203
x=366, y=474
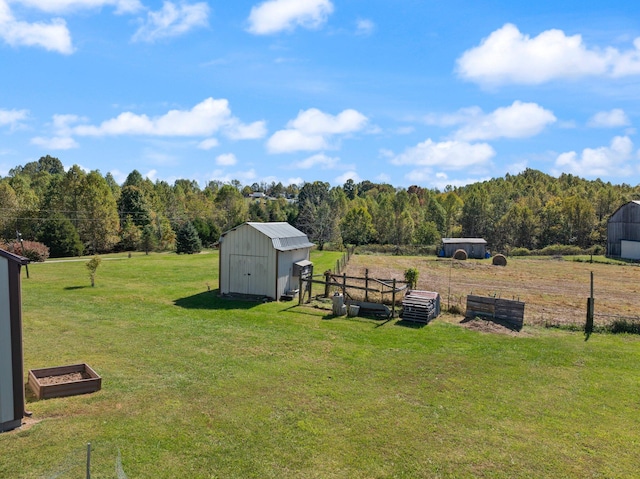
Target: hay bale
x=460, y=254
x=499, y=260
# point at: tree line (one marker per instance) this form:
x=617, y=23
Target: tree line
x=75, y=212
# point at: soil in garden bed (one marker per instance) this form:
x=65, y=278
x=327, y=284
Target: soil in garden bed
x=63, y=378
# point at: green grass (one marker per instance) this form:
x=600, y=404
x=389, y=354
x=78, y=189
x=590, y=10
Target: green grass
x=199, y=387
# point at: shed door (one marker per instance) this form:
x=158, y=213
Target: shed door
x=248, y=274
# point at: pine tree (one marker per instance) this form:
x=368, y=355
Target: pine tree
x=187, y=240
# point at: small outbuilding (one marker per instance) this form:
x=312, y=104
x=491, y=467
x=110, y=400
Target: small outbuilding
x=474, y=247
x=11, y=360
x=623, y=232
x=263, y=259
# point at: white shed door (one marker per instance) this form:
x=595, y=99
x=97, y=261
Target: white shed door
x=248, y=274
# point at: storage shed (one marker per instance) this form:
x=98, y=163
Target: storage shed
x=11, y=361
x=263, y=259
x=474, y=247
x=623, y=232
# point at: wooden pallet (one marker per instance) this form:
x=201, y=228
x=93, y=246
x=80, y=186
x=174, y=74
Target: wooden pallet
x=420, y=306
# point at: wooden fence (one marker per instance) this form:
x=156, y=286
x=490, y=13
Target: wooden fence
x=357, y=288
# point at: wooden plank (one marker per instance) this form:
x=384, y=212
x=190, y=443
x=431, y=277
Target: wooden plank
x=501, y=310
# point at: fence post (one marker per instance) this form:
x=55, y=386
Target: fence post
x=303, y=288
x=344, y=285
x=366, y=285
x=338, y=266
x=88, y=460
x=393, y=300
x=588, y=327
x=310, y=284
x=327, y=278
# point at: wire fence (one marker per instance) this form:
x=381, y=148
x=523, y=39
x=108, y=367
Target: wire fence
x=94, y=460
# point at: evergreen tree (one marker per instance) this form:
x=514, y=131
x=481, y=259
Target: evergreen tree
x=59, y=234
x=187, y=240
x=149, y=240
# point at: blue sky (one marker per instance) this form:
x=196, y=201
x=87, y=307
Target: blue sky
x=406, y=92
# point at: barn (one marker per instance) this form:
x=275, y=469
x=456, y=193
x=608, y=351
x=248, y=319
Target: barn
x=11, y=362
x=474, y=247
x=263, y=259
x=623, y=232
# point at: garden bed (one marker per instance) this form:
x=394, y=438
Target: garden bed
x=61, y=381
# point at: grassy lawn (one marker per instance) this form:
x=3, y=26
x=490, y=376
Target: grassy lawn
x=199, y=387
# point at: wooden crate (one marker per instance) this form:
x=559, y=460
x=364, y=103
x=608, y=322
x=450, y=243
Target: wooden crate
x=38, y=383
x=509, y=312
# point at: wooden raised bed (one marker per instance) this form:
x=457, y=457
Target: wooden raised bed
x=61, y=381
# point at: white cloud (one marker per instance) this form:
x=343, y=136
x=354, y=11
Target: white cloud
x=294, y=181
x=520, y=120
x=509, y=56
x=172, y=20
x=364, y=27
x=448, y=155
x=285, y=141
x=12, y=118
x=55, y=143
x=320, y=160
x=226, y=159
x=604, y=161
x=208, y=144
x=253, y=131
x=119, y=176
x=312, y=129
x=244, y=176
x=349, y=175
x=204, y=119
x=274, y=16
x=314, y=121
x=53, y=36
x=441, y=180
x=609, y=119
x=151, y=175
x=66, y=6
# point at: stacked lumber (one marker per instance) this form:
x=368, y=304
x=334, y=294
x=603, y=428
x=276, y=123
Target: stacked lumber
x=420, y=306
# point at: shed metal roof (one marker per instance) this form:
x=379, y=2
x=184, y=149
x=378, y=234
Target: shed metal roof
x=464, y=240
x=283, y=236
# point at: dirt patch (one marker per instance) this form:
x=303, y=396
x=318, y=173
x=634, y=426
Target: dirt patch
x=63, y=378
x=484, y=326
x=26, y=424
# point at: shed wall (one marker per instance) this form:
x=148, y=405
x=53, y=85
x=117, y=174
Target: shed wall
x=245, y=251
x=473, y=250
x=11, y=362
x=286, y=279
x=624, y=224
x=6, y=361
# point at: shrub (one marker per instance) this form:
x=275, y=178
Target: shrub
x=92, y=266
x=34, y=251
x=596, y=250
x=520, y=252
x=407, y=250
x=411, y=277
x=560, y=249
